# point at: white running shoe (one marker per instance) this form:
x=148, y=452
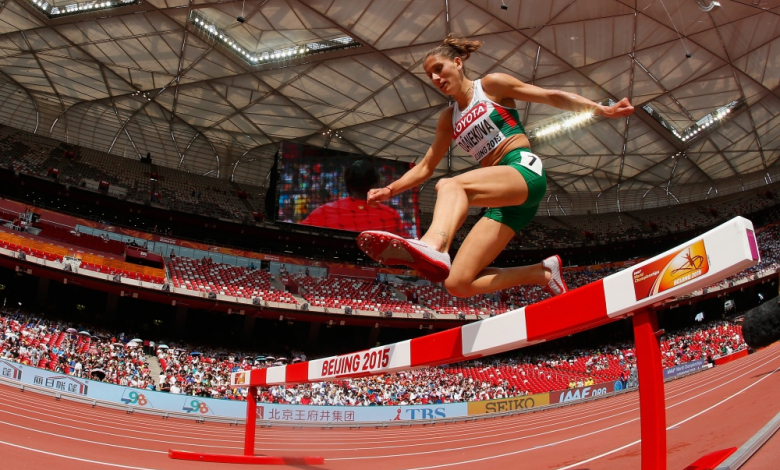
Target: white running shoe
x=391, y=249
x=557, y=285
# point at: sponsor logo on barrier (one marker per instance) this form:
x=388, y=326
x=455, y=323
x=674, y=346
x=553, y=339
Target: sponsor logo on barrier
x=370, y=361
x=301, y=413
x=582, y=393
x=196, y=406
x=508, y=404
x=422, y=413
x=9, y=370
x=618, y=385
x=671, y=271
x=62, y=383
x=132, y=397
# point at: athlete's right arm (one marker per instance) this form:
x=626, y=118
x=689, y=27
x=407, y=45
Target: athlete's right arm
x=423, y=170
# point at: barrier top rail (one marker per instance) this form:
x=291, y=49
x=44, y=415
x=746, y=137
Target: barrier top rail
x=702, y=261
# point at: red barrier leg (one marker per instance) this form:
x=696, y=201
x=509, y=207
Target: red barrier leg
x=652, y=408
x=251, y=421
x=249, y=456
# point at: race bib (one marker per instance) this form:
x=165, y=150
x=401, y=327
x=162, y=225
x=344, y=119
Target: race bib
x=476, y=133
x=532, y=162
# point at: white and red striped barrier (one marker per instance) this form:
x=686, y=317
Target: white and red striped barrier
x=708, y=258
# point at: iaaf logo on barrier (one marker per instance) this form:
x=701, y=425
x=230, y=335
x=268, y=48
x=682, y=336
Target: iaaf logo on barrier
x=132, y=397
x=582, y=393
x=196, y=406
x=671, y=271
x=9, y=370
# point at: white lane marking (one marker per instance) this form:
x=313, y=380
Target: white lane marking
x=526, y=427
x=121, y=436
x=70, y=457
x=525, y=437
x=81, y=440
x=672, y=426
x=542, y=420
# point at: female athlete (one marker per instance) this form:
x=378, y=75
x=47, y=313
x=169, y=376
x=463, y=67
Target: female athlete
x=511, y=182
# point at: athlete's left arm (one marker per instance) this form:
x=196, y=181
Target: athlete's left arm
x=501, y=85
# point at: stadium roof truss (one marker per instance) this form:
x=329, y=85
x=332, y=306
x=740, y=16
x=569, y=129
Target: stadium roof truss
x=213, y=87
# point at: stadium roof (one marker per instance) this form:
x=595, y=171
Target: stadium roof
x=208, y=92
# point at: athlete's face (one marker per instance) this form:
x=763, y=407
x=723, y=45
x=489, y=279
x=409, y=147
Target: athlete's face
x=446, y=74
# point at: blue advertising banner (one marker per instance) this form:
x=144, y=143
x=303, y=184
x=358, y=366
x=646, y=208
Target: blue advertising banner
x=209, y=407
x=682, y=369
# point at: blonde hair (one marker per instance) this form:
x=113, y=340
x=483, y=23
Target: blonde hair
x=453, y=47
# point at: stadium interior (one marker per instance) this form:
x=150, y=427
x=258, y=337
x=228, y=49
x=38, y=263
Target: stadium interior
x=148, y=188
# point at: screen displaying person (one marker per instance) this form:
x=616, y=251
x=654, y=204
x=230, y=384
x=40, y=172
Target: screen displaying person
x=354, y=212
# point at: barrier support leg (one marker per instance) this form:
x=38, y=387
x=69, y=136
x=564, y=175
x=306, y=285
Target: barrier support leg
x=251, y=421
x=652, y=408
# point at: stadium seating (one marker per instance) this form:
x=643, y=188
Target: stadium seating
x=359, y=294
x=234, y=281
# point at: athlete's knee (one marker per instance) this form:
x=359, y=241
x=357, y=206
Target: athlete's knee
x=445, y=183
x=458, y=286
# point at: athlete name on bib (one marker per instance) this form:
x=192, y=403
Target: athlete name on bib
x=476, y=133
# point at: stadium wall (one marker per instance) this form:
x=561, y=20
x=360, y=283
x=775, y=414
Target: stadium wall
x=209, y=409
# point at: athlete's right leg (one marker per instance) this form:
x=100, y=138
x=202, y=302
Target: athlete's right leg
x=496, y=186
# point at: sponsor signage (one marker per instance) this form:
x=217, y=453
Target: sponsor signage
x=358, y=414
x=203, y=407
x=582, y=393
x=502, y=405
x=10, y=370
x=682, y=369
x=671, y=271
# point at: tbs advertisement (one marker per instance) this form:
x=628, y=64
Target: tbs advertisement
x=671, y=271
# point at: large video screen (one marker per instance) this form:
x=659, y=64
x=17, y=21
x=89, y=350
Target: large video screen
x=327, y=188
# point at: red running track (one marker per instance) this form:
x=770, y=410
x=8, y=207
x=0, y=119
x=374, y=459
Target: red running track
x=716, y=409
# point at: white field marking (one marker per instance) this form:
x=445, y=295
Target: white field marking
x=543, y=419
x=716, y=379
x=492, y=435
x=121, y=436
x=711, y=376
x=565, y=468
x=81, y=440
x=589, y=413
x=672, y=426
x=521, y=437
x=104, y=416
x=69, y=457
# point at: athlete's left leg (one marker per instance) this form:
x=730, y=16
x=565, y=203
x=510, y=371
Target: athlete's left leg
x=471, y=276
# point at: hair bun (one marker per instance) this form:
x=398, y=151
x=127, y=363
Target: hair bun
x=462, y=46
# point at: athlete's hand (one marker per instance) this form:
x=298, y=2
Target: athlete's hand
x=620, y=109
x=375, y=196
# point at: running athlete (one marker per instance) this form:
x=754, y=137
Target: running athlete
x=483, y=121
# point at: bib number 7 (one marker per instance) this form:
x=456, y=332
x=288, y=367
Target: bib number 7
x=532, y=162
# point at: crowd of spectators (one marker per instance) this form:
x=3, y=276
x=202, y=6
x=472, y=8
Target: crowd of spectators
x=63, y=349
